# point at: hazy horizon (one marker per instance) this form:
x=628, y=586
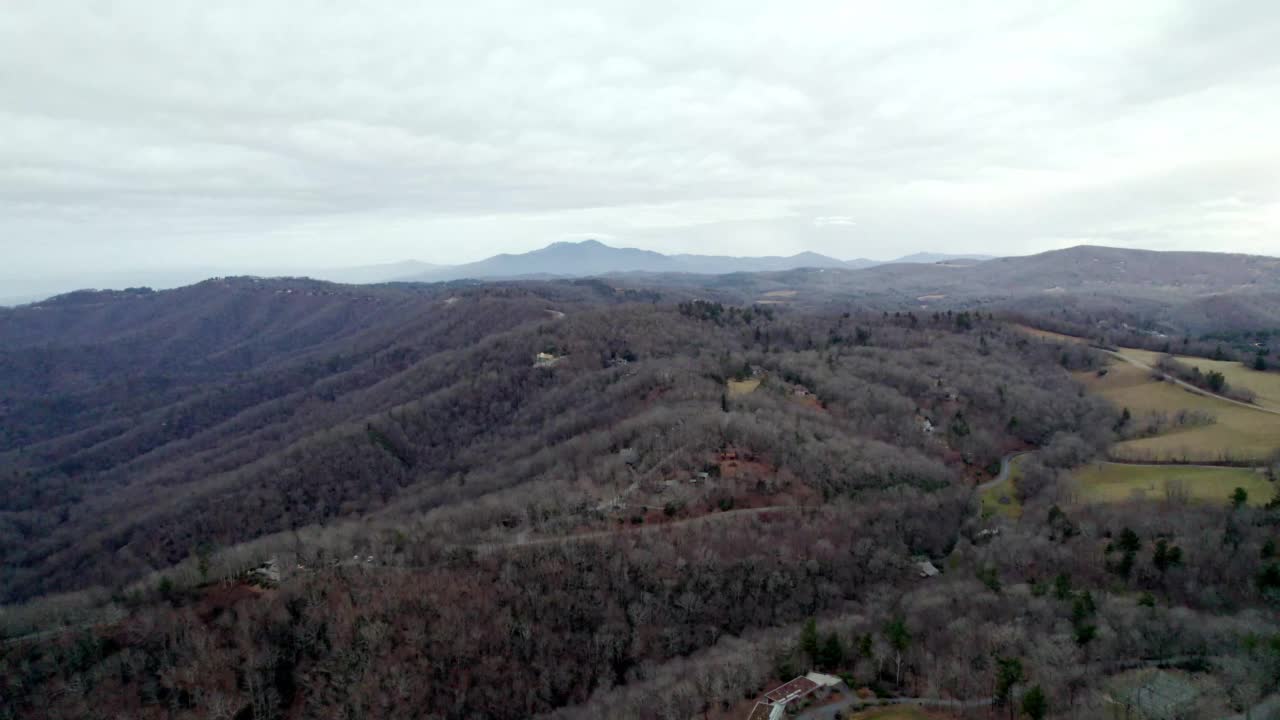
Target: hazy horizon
x=267, y=137
x=20, y=289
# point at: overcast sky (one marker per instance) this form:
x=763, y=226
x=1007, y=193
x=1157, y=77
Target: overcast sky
x=284, y=134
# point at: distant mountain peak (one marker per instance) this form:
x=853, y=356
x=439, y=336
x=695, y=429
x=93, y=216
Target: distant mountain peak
x=588, y=243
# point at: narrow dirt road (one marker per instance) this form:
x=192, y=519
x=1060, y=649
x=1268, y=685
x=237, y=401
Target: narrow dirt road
x=484, y=548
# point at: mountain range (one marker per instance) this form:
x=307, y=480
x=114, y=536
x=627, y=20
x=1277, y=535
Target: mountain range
x=592, y=257
x=1186, y=291
x=562, y=259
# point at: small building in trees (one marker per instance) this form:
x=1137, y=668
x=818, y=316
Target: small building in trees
x=926, y=425
x=773, y=705
x=266, y=575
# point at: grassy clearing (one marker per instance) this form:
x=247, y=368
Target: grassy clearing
x=743, y=387
x=1146, y=357
x=1112, y=482
x=1266, y=386
x=1239, y=434
x=992, y=498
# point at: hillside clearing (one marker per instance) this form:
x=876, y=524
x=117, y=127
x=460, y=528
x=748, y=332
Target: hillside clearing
x=743, y=387
x=1265, y=385
x=1238, y=434
x=1115, y=482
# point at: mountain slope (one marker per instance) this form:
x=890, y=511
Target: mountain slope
x=1088, y=267
x=137, y=426
x=1165, y=276
x=564, y=499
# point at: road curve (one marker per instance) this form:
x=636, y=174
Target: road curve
x=1003, y=475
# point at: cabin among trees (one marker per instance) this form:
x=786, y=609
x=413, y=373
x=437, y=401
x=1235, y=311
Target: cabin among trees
x=773, y=706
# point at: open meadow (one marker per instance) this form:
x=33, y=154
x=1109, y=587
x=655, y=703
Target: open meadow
x=1265, y=385
x=1115, y=482
x=1236, y=433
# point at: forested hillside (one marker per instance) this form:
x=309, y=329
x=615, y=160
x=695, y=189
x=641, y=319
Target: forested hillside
x=283, y=498
x=126, y=411
x=156, y=423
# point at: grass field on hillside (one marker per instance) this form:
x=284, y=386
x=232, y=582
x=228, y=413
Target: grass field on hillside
x=1265, y=385
x=1239, y=434
x=1146, y=357
x=743, y=387
x=1112, y=482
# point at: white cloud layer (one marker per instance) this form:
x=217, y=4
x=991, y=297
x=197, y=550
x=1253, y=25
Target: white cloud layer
x=285, y=134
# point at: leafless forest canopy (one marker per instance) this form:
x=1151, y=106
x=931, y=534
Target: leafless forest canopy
x=589, y=498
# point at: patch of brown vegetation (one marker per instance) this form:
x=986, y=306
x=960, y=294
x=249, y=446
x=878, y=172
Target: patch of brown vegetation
x=220, y=597
x=810, y=400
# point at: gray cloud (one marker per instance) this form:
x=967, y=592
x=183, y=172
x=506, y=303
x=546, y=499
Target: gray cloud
x=267, y=135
